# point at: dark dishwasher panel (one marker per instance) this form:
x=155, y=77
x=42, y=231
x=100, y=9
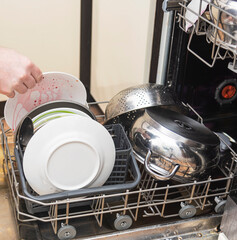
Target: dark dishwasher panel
x=199, y=85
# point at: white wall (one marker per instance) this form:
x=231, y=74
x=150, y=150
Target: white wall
x=121, y=47
x=47, y=31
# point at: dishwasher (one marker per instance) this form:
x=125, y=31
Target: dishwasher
x=199, y=65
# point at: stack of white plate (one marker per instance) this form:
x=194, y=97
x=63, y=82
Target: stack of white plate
x=69, y=149
x=46, y=116
x=69, y=153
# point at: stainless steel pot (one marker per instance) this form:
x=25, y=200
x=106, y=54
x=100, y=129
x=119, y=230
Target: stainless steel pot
x=172, y=145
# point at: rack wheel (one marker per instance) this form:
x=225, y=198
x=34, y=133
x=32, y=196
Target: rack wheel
x=67, y=232
x=187, y=211
x=219, y=208
x=122, y=222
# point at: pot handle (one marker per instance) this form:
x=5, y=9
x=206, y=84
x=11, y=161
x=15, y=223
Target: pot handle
x=156, y=174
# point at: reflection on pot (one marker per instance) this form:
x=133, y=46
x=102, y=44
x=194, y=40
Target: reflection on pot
x=172, y=145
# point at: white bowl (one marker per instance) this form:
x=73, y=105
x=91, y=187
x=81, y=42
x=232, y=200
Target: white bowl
x=54, y=86
x=68, y=153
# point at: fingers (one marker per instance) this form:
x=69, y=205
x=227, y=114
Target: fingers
x=20, y=88
x=25, y=82
x=11, y=95
x=18, y=73
x=29, y=81
x=36, y=73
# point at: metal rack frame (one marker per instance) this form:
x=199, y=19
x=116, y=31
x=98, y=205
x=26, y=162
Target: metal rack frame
x=151, y=198
x=220, y=49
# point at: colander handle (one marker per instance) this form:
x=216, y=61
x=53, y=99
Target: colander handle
x=162, y=174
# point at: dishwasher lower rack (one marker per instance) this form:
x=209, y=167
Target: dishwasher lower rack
x=150, y=198
x=117, y=181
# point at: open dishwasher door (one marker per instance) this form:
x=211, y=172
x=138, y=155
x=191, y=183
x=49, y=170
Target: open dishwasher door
x=201, y=68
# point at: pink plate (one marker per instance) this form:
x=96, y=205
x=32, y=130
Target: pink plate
x=54, y=86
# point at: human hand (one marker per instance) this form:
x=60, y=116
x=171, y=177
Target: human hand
x=17, y=73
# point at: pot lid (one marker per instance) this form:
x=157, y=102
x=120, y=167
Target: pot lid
x=183, y=126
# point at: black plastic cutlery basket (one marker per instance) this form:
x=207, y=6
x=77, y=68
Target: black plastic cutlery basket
x=118, y=181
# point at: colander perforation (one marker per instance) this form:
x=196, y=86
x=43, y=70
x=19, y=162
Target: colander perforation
x=138, y=97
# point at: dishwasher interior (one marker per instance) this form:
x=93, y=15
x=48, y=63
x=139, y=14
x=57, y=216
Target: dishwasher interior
x=136, y=200
x=132, y=204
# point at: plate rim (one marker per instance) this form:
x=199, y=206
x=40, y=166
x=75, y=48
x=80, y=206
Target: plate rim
x=10, y=104
x=107, y=162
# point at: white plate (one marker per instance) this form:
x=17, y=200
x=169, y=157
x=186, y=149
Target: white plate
x=56, y=111
x=67, y=154
x=193, y=12
x=54, y=86
x=51, y=114
x=40, y=123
